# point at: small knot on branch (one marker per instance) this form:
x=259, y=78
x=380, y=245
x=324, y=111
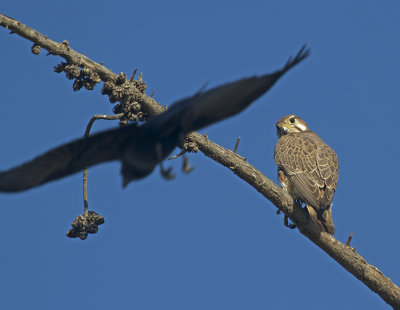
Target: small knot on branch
x=190, y=146
x=66, y=44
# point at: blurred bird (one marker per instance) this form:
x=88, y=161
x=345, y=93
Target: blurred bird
x=141, y=148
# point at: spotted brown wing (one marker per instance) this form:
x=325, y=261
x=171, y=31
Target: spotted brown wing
x=311, y=165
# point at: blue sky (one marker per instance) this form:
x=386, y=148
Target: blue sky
x=206, y=240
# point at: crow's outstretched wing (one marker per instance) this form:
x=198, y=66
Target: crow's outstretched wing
x=224, y=101
x=140, y=149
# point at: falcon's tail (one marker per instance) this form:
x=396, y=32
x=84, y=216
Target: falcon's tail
x=323, y=220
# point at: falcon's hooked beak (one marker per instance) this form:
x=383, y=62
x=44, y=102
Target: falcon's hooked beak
x=281, y=130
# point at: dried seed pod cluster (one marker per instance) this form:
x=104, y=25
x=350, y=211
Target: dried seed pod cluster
x=131, y=110
x=84, y=225
x=128, y=93
x=36, y=49
x=84, y=77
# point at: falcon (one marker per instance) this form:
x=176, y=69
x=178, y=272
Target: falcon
x=308, y=169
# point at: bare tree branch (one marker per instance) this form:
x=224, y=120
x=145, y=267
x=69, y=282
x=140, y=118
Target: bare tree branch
x=344, y=255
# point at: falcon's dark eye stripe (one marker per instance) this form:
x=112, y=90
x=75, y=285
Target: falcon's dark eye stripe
x=292, y=120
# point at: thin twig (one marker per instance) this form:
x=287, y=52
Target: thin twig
x=236, y=145
x=85, y=199
x=85, y=171
x=349, y=239
x=177, y=155
x=100, y=116
x=133, y=75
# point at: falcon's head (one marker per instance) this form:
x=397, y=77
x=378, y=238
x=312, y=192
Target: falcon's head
x=290, y=123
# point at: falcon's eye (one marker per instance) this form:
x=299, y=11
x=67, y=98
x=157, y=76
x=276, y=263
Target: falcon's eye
x=292, y=120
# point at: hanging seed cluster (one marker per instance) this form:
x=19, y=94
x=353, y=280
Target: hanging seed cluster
x=84, y=225
x=36, y=49
x=84, y=77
